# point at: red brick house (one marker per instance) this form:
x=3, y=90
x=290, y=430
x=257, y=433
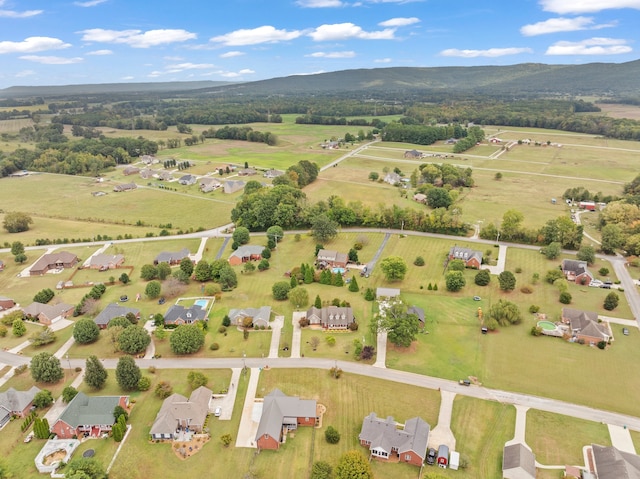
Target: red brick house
x=328, y=258
x=103, y=262
x=49, y=261
x=246, y=253
x=330, y=317
x=281, y=414
x=585, y=326
x=471, y=257
x=16, y=403
x=576, y=271
x=6, y=303
x=388, y=441
x=48, y=314
x=88, y=416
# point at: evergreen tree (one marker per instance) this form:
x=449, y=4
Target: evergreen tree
x=353, y=285
x=318, y=302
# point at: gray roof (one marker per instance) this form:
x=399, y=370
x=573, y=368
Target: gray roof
x=576, y=267
x=188, y=315
x=177, y=408
x=258, y=314
x=387, y=293
x=278, y=407
x=172, y=256
x=187, y=180
x=392, y=178
x=248, y=250
x=330, y=316
x=231, y=186
x=518, y=456
x=612, y=463
x=419, y=312
x=113, y=311
x=102, y=259
x=90, y=410
x=332, y=255
x=50, y=311
x=125, y=187
x=586, y=323
x=465, y=254
x=49, y=260
x=384, y=434
x=16, y=401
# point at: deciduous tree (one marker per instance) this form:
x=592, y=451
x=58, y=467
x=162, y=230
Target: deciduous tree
x=153, y=289
x=127, y=373
x=454, y=281
x=323, y=228
x=280, y=290
x=16, y=222
x=95, y=375
x=186, y=339
x=299, y=297
x=45, y=367
x=507, y=281
x=134, y=340
x=86, y=331
x=402, y=328
x=353, y=465
x=394, y=268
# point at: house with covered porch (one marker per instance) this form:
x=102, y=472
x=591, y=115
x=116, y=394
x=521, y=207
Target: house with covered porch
x=88, y=416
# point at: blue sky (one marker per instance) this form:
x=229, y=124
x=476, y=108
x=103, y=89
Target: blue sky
x=58, y=42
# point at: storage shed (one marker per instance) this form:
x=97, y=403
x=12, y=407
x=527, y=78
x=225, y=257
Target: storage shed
x=454, y=460
x=443, y=456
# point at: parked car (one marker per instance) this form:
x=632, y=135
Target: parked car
x=595, y=283
x=124, y=298
x=161, y=300
x=464, y=382
x=217, y=412
x=431, y=456
x=625, y=331
x=605, y=286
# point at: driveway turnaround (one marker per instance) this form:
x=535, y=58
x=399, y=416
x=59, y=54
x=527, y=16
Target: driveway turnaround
x=521, y=425
x=621, y=438
x=226, y=401
x=441, y=434
x=248, y=427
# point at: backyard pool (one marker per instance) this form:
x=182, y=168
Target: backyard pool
x=201, y=302
x=547, y=325
x=338, y=270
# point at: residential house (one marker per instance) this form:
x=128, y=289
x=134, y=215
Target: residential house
x=130, y=170
x=281, y=414
x=495, y=140
x=587, y=205
x=232, y=186
x=165, y=176
x=576, y=271
x=330, y=317
x=172, y=257
x=247, y=172
x=387, y=441
x=49, y=261
x=16, y=403
x=585, y=325
x=518, y=462
x=177, y=315
x=259, y=316
x=472, y=258
x=419, y=312
x=48, y=314
x=208, y=184
x=392, y=178
x=179, y=413
x=420, y=198
x=147, y=159
x=246, y=253
x=188, y=180
x=387, y=293
x=6, y=303
x=125, y=187
x=103, y=262
x=612, y=463
x=328, y=258
x=412, y=154
x=113, y=311
x=146, y=173
x=88, y=416
x=273, y=173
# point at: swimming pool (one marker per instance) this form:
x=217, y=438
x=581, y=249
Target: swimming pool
x=338, y=270
x=201, y=302
x=547, y=325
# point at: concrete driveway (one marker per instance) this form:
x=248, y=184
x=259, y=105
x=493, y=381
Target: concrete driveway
x=442, y=434
x=248, y=426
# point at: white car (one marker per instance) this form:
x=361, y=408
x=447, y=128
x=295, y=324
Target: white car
x=596, y=283
x=217, y=412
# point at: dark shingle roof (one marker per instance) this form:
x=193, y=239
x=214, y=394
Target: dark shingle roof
x=113, y=311
x=384, y=434
x=518, y=456
x=612, y=463
x=188, y=315
x=90, y=410
x=278, y=406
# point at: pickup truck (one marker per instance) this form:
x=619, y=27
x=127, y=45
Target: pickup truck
x=464, y=382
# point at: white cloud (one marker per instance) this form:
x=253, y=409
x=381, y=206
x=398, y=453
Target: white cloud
x=33, y=44
x=591, y=46
x=382, y=60
x=188, y=66
x=13, y=14
x=90, y=3
x=25, y=73
x=172, y=58
x=344, y=31
x=491, y=52
x=127, y=78
x=332, y=55
x=399, y=22
x=554, y=25
x=586, y=6
x=264, y=34
x=51, y=60
x=319, y=3
x=100, y=52
x=137, y=38
x=232, y=54
x=245, y=71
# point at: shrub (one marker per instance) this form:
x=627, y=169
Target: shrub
x=603, y=271
x=332, y=435
x=419, y=261
x=331, y=341
x=533, y=309
x=222, y=329
x=163, y=390
x=144, y=383
x=526, y=290
x=214, y=346
x=482, y=278
x=518, y=269
x=602, y=344
x=565, y=297
x=536, y=331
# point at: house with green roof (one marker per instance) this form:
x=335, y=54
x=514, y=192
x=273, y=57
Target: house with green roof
x=88, y=416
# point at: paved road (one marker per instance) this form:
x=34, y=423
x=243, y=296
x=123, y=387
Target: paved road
x=351, y=153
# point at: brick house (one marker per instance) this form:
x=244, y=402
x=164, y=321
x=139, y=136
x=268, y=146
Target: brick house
x=178, y=315
x=388, y=442
x=259, y=316
x=246, y=253
x=88, y=416
x=172, y=257
x=46, y=262
x=281, y=414
x=585, y=325
x=16, y=403
x=328, y=258
x=48, y=314
x=612, y=463
x=330, y=317
x=576, y=271
x=6, y=303
x=113, y=311
x=124, y=187
x=179, y=413
x=472, y=258
x=103, y=262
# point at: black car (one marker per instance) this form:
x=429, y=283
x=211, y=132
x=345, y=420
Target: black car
x=431, y=456
x=161, y=300
x=124, y=298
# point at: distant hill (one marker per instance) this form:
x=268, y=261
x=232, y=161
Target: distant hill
x=102, y=88
x=613, y=79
